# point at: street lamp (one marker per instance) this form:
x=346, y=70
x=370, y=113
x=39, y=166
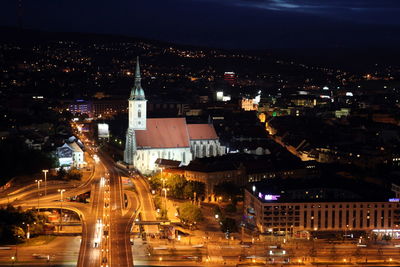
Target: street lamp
x=38, y=186
x=61, y=201
x=45, y=181
x=27, y=231
x=165, y=189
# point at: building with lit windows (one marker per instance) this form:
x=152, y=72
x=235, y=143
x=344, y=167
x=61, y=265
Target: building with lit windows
x=248, y=104
x=293, y=206
x=81, y=107
x=230, y=77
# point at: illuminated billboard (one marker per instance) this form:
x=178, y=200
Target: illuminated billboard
x=103, y=131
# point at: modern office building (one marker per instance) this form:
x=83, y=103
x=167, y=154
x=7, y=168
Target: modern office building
x=291, y=206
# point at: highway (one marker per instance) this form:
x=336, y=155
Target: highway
x=147, y=205
x=105, y=229
x=119, y=225
x=107, y=223
x=95, y=247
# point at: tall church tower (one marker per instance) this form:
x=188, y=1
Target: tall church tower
x=137, y=107
x=137, y=103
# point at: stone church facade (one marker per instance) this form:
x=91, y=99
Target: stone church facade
x=149, y=139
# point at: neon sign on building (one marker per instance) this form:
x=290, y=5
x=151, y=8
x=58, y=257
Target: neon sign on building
x=268, y=197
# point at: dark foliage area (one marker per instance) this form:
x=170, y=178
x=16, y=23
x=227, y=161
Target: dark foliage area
x=17, y=159
x=14, y=224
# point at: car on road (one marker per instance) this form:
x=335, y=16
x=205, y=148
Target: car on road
x=42, y=256
x=246, y=244
x=181, y=233
x=160, y=248
x=192, y=258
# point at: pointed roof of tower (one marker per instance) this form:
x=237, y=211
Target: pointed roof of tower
x=137, y=91
x=137, y=70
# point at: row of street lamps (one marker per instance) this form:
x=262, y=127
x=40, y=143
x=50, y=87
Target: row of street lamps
x=39, y=181
x=61, y=191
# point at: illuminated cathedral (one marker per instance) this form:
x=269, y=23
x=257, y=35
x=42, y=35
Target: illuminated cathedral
x=151, y=139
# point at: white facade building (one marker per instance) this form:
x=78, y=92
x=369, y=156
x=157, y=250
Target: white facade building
x=71, y=155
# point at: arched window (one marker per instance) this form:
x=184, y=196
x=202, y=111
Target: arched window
x=212, y=152
x=197, y=151
x=204, y=151
x=139, y=113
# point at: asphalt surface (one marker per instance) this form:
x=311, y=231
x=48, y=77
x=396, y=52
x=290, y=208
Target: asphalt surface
x=94, y=220
x=119, y=225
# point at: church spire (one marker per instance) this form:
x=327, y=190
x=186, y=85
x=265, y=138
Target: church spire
x=137, y=71
x=137, y=91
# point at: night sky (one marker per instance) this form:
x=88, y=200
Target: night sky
x=221, y=23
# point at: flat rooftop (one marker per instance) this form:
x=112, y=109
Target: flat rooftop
x=329, y=189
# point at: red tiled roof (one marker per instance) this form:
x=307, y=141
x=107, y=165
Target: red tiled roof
x=168, y=163
x=201, y=132
x=163, y=133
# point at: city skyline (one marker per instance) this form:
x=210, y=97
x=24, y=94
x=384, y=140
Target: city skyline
x=131, y=136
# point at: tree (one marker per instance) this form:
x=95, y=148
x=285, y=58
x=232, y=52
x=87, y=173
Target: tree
x=230, y=208
x=74, y=174
x=14, y=224
x=217, y=211
x=61, y=173
x=18, y=234
x=193, y=186
x=157, y=202
x=190, y=213
x=155, y=182
x=176, y=184
x=227, y=190
x=18, y=159
x=229, y=225
x=163, y=215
